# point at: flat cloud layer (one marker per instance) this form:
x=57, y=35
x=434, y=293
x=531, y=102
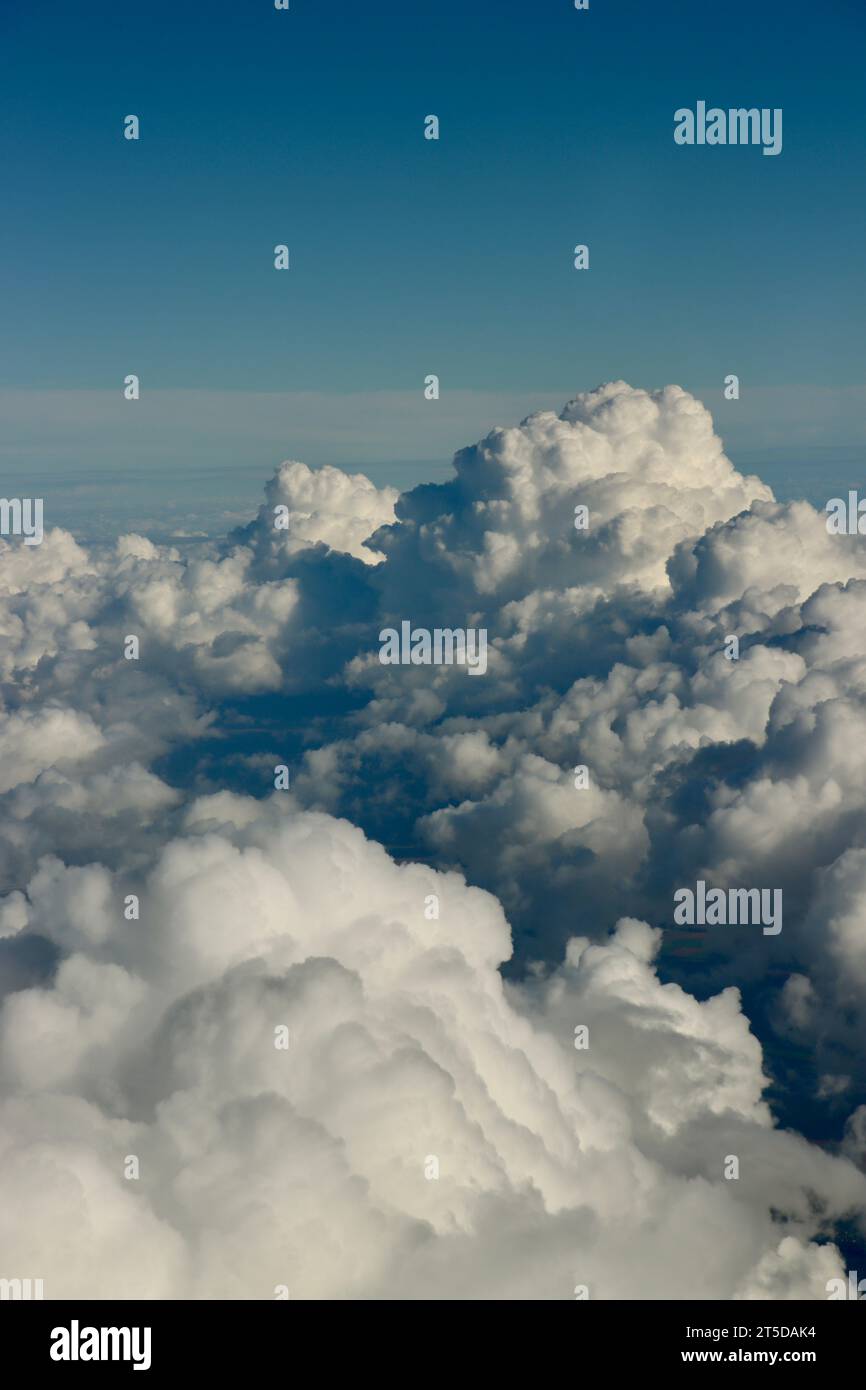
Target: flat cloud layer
x=431, y=1129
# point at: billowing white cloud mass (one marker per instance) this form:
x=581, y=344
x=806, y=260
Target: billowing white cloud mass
x=434, y=1128
x=304, y=507
x=307, y=1165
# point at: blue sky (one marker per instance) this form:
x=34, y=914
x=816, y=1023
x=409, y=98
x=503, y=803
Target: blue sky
x=412, y=256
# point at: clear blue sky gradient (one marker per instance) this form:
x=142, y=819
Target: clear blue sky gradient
x=411, y=256
x=305, y=126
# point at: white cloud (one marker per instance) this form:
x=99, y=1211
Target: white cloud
x=340, y=510
x=306, y=1166
x=558, y=1166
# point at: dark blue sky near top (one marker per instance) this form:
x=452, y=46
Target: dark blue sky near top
x=306, y=127
x=410, y=256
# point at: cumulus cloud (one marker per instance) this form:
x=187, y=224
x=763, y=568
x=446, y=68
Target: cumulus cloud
x=304, y=507
x=647, y=465
x=310, y=1165
x=439, y=902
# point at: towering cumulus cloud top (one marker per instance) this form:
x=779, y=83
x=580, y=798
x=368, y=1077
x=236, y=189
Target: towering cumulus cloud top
x=647, y=465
